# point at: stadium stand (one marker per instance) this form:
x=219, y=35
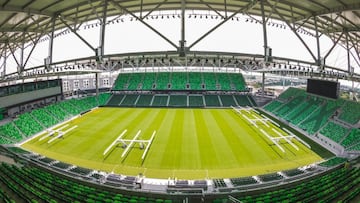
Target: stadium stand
x=103, y=98
x=129, y=100
x=334, y=131
x=243, y=181
x=144, y=100
x=149, y=81
x=178, y=100
x=227, y=100
x=115, y=99
x=34, y=185
x=10, y=131
x=27, y=124
x=210, y=81
x=352, y=139
x=333, y=162
x=272, y=106
x=291, y=92
x=326, y=188
x=223, y=81
x=350, y=112
x=319, y=117
x=160, y=100
x=244, y=100
x=163, y=81
x=212, y=100
x=56, y=111
x=135, y=81
x=44, y=117
x=179, y=80
x=195, y=81
x=196, y=101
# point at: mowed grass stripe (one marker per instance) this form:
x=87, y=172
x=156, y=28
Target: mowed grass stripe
x=189, y=143
x=206, y=147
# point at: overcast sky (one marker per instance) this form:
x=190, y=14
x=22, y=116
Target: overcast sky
x=233, y=36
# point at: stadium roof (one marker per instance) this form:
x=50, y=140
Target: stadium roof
x=24, y=21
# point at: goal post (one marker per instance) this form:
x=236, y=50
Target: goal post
x=114, y=142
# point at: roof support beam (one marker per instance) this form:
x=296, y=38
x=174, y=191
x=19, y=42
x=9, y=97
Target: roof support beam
x=155, y=8
x=208, y=5
x=77, y=34
x=182, y=51
x=51, y=41
x=264, y=30
x=120, y=8
x=317, y=42
x=333, y=46
x=294, y=31
x=102, y=30
x=243, y=9
x=21, y=67
x=348, y=53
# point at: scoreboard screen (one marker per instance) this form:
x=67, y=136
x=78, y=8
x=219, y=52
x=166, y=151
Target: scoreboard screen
x=323, y=88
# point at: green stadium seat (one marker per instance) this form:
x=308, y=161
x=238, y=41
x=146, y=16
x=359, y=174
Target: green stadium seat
x=334, y=131
x=196, y=101
x=178, y=100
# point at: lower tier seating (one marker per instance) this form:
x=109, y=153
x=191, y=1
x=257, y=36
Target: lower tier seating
x=334, y=131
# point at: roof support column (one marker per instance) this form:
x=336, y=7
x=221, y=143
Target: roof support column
x=348, y=53
x=102, y=34
x=3, y=66
x=317, y=43
x=51, y=44
x=182, y=48
x=21, y=62
x=267, y=54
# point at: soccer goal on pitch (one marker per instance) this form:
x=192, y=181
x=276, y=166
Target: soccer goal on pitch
x=127, y=144
x=257, y=117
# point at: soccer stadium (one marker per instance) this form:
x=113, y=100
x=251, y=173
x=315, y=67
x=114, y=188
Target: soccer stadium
x=182, y=117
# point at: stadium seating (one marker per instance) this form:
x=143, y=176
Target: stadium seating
x=304, y=110
x=243, y=181
x=44, y=117
x=196, y=101
x=210, y=81
x=272, y=106
x=286, y=109
x=212, y=100
x=350, y=112
x=27, y=124
x=195, y=81
x=179, y=80
x=238, y=81
x=10, y=131
x=144, y=100
x=35, y=185
x=352, y=139
x=227, y=100
x=334, y=131
x=223, y=81
x=149, y=81
x=162, y=81
x=244, y=100
x=56, y=111
x=291, y=92
x=333, y=162
x=115, y=99
x=135, y=81
x=103, y=98
x=129, y=100
x=319, y=117
x=121, y=81
x=178, y=100
x=319, y=189
x=160, y=100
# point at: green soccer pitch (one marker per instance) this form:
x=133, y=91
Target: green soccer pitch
x=188, y=144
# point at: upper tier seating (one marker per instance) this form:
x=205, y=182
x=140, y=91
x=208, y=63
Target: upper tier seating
x=291, y=92
x=180, y=81
x=350, y=112
x=334, y=131
x=272, y=106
